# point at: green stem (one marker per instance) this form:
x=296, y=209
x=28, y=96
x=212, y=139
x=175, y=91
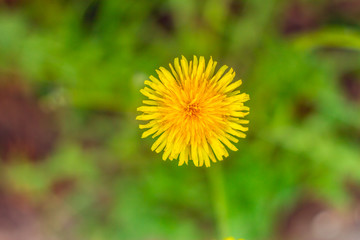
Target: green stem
x=216, y=182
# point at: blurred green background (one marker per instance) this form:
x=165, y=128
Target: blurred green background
x=73, y=165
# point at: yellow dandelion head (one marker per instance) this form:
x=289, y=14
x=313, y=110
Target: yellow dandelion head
x=232, y=238
x=194, y=111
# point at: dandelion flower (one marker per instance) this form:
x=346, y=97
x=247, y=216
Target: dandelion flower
x=231, y=238
x=194, y=111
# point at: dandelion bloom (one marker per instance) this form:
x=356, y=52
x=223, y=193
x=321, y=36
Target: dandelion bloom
x=194, y=111
x=231, y=238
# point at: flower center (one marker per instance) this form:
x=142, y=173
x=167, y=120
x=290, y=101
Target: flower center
x=192, y=109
